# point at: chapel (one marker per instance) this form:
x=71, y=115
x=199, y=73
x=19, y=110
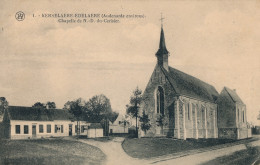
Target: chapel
x=181, y=106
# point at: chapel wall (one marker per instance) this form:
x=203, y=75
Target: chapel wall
x=197, y=119
x=149, y=103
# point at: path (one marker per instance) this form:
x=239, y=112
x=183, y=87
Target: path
x=116, y=155
x=114, y=152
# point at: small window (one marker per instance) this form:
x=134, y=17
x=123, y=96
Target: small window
x=61, y=128
x=41, y=128
x=17, y=129
x=57, y=128
x=26, y=129
x=76, y=128
x=48, y=128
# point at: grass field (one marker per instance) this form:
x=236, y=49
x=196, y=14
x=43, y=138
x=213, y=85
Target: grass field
x=153, y=147
x=243, y=157
x=49, y=151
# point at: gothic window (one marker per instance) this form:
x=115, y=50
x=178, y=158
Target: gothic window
x=238, y=114
x=243, y=116
x=188, y=106
x=160, y=100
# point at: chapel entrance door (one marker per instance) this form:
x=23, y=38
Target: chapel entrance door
x=34, y=131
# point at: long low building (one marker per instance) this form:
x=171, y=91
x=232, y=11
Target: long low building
x=27, y=122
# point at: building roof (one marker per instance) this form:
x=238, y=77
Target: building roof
x=187, y=85
x=94, y=125
x=233, y=95
x=162, y=46
x=37, y=114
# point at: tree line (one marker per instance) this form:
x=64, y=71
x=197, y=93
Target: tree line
x=95, y=109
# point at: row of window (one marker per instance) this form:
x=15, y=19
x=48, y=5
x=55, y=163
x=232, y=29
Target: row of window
x=160, y=103
x=58, y=128
x=189, y=111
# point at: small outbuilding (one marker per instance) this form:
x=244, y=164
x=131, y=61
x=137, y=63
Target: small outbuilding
x=95, y=130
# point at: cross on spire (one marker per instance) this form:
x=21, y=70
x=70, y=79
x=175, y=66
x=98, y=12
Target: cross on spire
x=162, y=20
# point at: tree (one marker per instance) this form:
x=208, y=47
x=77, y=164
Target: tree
x=133, y=108
x=76, y=107
x=3, y=105
x=145, y=122
x=50, y=105
x=162, y=120
x=98, y=109
x=39, y=105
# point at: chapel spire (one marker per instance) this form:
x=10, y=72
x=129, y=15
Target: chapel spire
x=162, y=53
x=162, y=46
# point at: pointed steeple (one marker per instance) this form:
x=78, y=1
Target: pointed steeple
x=162, y=53
x=162, y=46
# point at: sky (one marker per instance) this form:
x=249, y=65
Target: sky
x=44, y=60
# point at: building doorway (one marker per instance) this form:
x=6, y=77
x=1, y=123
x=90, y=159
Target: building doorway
x=70, y=129
x=34, y=131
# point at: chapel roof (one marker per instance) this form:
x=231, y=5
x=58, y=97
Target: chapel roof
x=38, y=114
x=188, y=85
x=233, y=95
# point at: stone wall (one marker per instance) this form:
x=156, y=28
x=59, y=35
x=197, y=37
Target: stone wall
x=227, y=133
x=149, y=104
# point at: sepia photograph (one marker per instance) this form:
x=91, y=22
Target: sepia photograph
x=129, y=82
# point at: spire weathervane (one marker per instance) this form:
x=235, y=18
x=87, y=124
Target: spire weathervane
x=162, y=20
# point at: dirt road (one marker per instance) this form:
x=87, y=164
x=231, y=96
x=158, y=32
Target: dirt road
x=116, y=155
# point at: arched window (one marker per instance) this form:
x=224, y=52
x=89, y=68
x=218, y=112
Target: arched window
x=243, y=116
x=238, y=115
x=160, y=100
x=187, y=105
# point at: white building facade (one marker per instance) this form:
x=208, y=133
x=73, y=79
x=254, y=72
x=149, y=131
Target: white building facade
x=30, y=123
